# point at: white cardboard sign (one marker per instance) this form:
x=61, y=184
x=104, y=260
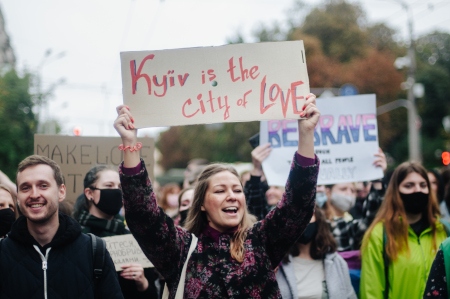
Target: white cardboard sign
x=231, y=83
x=345, y=141
x=124, y=249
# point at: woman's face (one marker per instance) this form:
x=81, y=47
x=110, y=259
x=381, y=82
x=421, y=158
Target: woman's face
x=412, y=183
x=107, y=179
x=186, y=200
x=6, y=200
x=274, y=195
x=433, y=183
x=224, y=201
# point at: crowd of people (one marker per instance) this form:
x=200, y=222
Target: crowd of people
x=221, y=234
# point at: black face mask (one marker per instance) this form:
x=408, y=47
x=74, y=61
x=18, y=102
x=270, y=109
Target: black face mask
x=183, y=216
x=7, y=218
x=415, y=203
x=309, y=234
x=110, y=201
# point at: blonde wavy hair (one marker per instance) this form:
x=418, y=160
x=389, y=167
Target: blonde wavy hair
x=196, y=220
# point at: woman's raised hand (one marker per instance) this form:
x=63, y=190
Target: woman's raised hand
x=310, y=117
x=310, y=114
x=124, y=125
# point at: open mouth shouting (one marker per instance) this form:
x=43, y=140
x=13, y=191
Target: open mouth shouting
x=230, y=210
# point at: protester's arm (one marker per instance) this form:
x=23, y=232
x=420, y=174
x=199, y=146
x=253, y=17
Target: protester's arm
x=436, y=284
x=284, y=224
x=164, y=244
x=255, y=189
x=372, y=266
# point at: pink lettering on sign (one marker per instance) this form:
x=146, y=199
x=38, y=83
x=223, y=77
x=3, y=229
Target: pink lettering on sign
x=161, y=84
x=190, y=109
x=244, y=74
x=275, y=94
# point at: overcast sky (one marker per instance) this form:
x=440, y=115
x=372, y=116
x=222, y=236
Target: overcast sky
x=86, y=37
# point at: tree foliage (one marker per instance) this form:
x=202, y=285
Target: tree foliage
x=17, y=121
x=337, y=25
x=341, y=47
x=226, y=142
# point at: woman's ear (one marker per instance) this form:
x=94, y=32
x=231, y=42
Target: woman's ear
x=202, y=208
x=88, y=193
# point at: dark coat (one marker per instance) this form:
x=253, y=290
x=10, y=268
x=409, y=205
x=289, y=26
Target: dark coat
x=69, y=272
x=211, y=271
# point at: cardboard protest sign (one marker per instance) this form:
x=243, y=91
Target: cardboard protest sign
x=345, y=140
x=124, y=249
x=76, y=155
x=232, y=83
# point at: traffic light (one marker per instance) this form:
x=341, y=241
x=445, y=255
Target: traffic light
x=446, y=158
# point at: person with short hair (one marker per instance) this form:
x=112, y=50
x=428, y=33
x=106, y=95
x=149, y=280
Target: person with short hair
x=234, y=257
x=45, y=255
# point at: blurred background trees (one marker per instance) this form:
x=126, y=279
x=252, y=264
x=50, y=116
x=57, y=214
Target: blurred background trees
x=341, y=47
x=18, y=123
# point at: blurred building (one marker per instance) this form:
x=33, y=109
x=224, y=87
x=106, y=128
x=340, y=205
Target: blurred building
x=7, y=57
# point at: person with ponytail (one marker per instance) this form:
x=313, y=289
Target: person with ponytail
x=99, y=214
x=401, y=244
x=234, y=256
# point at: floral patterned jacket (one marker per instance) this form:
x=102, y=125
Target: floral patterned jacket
x=211, y=272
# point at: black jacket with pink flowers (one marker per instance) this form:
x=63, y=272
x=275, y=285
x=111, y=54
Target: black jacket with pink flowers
x=211, y=271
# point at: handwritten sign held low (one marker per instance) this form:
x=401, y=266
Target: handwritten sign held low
x=345, y=141
x=232, y=83
x=124, y=249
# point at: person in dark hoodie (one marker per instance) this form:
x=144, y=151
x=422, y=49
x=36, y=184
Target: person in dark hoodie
x=46, y=255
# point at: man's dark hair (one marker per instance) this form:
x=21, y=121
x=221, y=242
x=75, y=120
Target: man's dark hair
x=37, y=160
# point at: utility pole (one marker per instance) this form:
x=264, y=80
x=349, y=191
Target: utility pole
x=415, y=152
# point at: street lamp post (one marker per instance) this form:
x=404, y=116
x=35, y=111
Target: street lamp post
x=415, y=153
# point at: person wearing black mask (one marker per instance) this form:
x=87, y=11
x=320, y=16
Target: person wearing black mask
x=8, y=213
x=314, y=269
x=99, y=215
x=400, y=245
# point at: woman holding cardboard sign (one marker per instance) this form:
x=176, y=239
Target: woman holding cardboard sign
x=233, y=258
x=99, y=215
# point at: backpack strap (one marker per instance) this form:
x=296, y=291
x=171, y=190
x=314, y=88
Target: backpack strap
x=386, y=264
x=98, y=255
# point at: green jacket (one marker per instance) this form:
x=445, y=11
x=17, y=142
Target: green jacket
x=408, y=274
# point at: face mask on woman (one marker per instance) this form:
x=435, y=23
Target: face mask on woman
x=414, y=203
x=342, y=202
x=110, y=201
x=7, y=218
x=172, y=200
x=309, y=234
x=321, y=199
